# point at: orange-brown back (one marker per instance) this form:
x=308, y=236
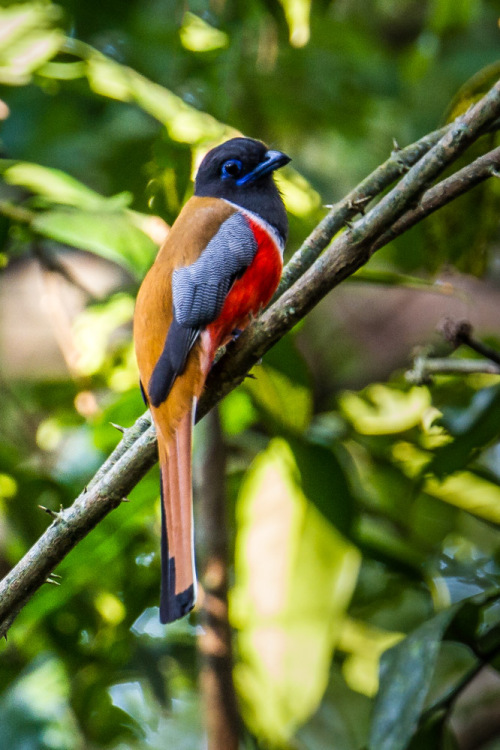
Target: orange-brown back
x=195, y=226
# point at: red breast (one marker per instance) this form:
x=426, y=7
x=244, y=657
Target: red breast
x=250, y=293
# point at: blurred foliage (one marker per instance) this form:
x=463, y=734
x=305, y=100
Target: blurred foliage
x=358, y=517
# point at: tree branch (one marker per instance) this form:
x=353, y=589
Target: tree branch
x=460, y=332
x=444, y=192
x=354, y=203
x=456, y=333
x=127, y=465
x=425, y=367
x=215, y=640
x=348, y=252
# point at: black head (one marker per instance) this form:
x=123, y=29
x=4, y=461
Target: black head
x=241, y=171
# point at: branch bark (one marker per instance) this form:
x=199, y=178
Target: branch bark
x=457, y=333
x=425, y=367
x=309, y=276
x=222, y=718
x=461, y=332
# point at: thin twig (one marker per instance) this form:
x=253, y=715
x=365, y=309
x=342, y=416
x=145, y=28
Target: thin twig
x=460, y=332
x=425, y=367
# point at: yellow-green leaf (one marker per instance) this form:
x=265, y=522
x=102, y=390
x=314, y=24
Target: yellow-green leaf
x=295, y=576
x=287, y=402
x=111, y=235
x=26, y=40
x=381, y=410
x=59, y=187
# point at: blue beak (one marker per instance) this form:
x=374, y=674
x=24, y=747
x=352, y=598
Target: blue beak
x=272, y=160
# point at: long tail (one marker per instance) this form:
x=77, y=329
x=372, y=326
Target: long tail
x=178, y=575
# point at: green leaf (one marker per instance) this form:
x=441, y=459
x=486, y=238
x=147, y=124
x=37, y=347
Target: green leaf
x=384, y=410
x=287, y=402
x=342, y=720
x=324, y=483
x=285, y=357
x=297, y=17
x=451, y=235
x=59, y=187
x=475, y=428
x=472, y=90
x=184, y=123
x=26, y=40
x=110, y=235
x=237, y=412
x=199, y=36
x=406, y=672
x=295, y=576
x=468, y=491
x=435, y=734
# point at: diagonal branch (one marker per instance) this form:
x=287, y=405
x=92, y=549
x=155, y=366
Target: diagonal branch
x=349, y=251
x=314, y=272
x=458, y=184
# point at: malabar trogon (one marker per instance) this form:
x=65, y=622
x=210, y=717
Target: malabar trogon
x=220, y=264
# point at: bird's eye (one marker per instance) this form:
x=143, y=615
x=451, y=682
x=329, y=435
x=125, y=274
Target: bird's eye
x=231, y=168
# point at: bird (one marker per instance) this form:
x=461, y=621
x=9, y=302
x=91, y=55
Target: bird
x=218, y=267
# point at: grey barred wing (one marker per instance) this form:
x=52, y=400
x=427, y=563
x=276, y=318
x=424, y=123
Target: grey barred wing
x=199, y=290
x=198, y=293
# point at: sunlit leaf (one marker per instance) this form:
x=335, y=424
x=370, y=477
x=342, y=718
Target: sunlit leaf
x=463, y=489
x=295, y=576
x=8, y=486
x=27, y=40
x=382, y=410
x=297, y=16
x=300, y=197
x=183, y=122
x=28, y=54
x=469, y=492
x=198, y=36
x=59, y=187
x=109, y=234
x=237, y=412
x=364, y=644
x=287, y=402
x=62, y=71
x=93, y=329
